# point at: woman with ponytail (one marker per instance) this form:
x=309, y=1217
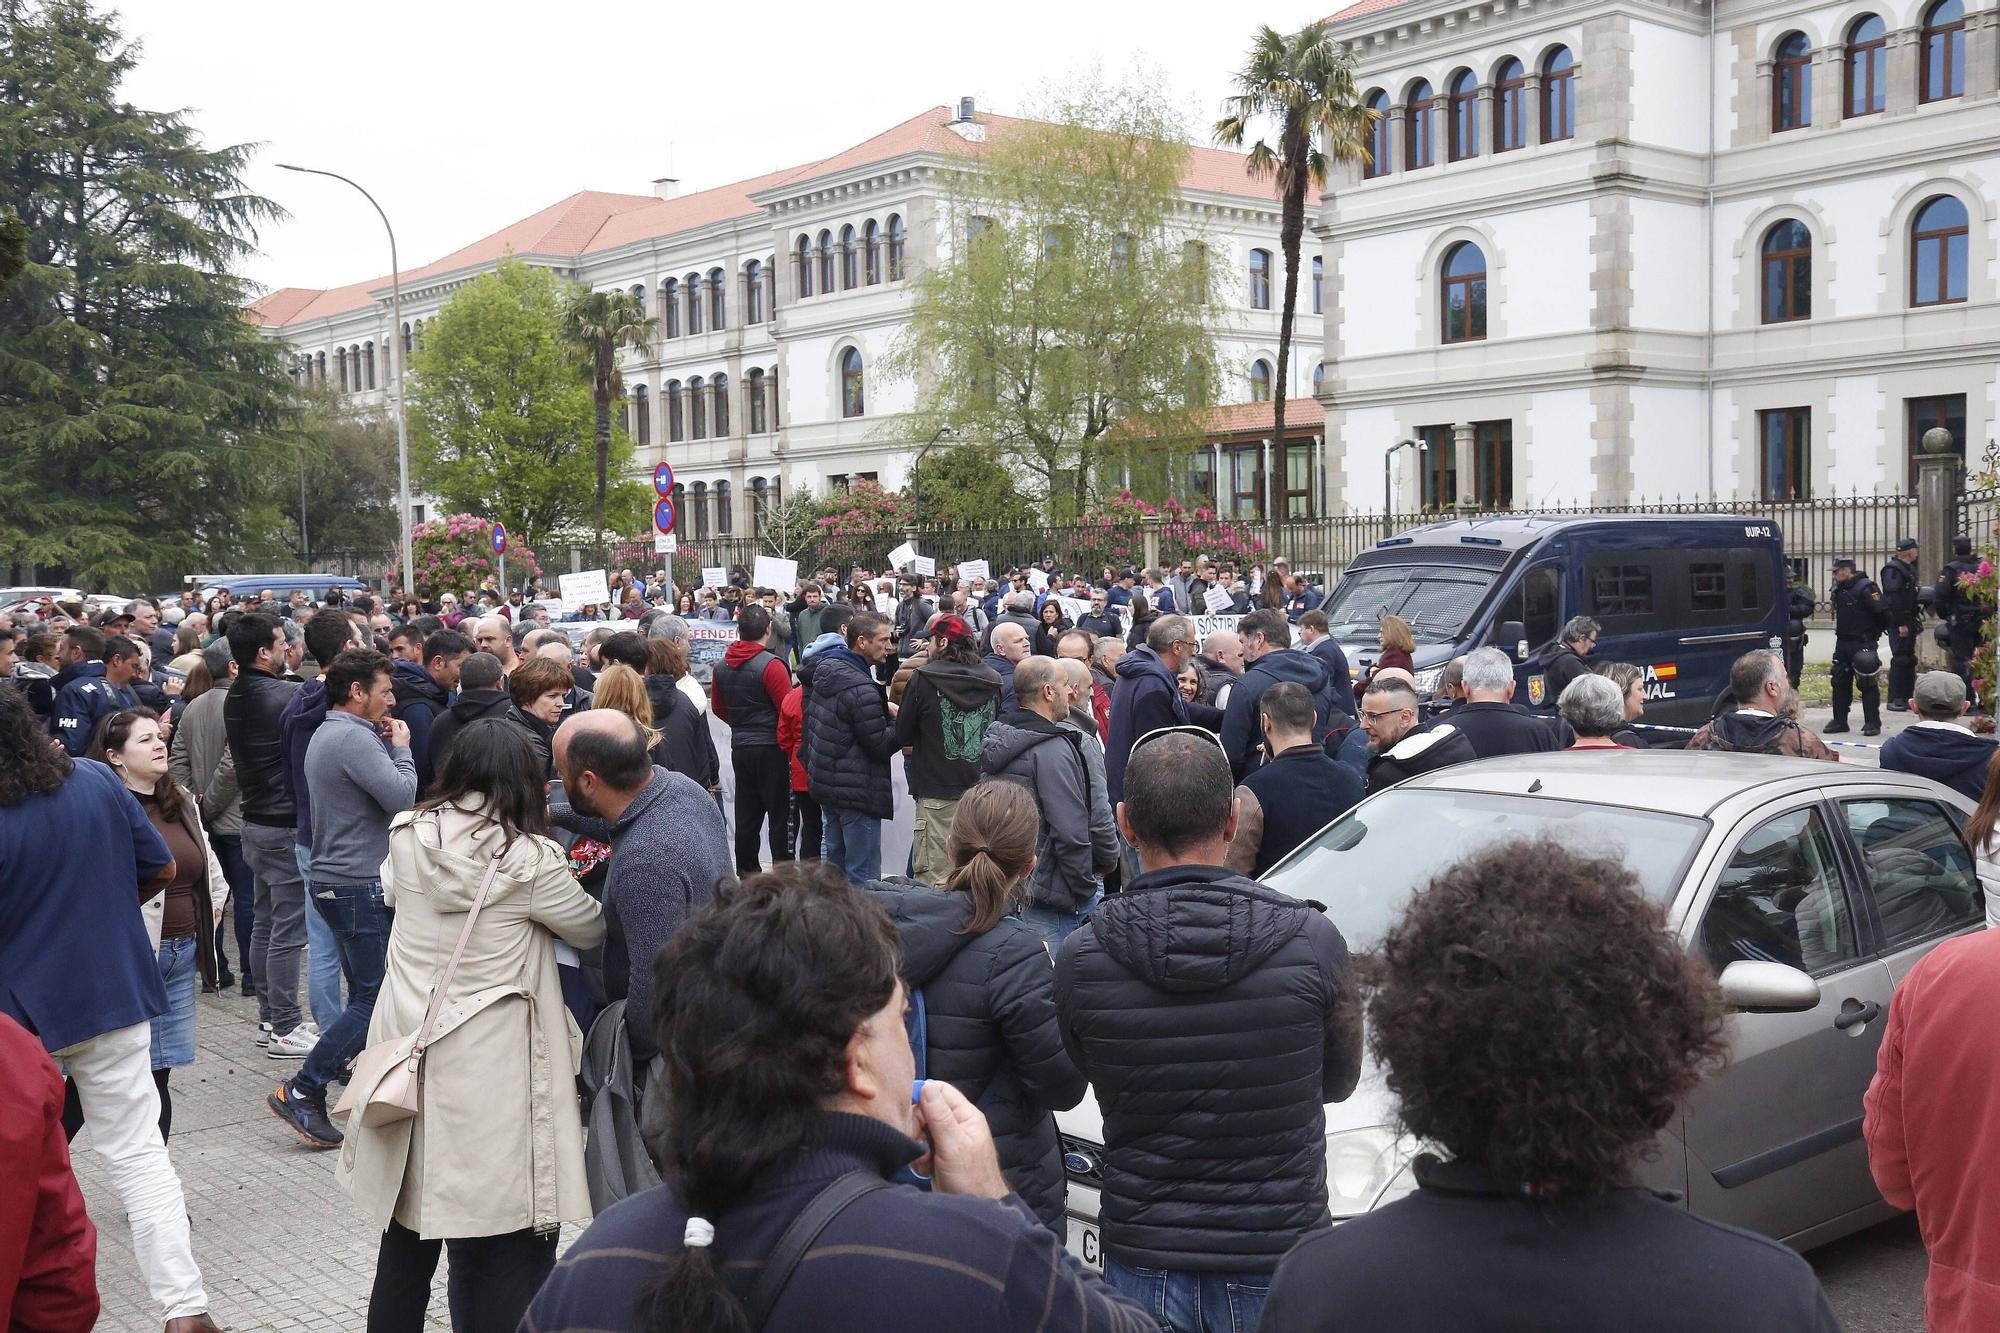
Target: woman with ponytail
x=989, y=989
x=788, y=1088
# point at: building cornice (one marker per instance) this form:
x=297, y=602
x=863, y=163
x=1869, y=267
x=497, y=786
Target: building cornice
x=1393, y=36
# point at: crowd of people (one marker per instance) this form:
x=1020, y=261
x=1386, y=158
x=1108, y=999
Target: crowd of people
x=446, y=841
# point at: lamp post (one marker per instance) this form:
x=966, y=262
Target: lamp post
x=395, y=372
x=916, y=477
x=1388, y=484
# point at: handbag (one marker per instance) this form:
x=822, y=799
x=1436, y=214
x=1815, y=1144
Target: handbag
x=393, y=1075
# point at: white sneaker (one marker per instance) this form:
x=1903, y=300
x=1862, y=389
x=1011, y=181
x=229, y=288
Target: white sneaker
x=294, y=1045
x=263, y=1034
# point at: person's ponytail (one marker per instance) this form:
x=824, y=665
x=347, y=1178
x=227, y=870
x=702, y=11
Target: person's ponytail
x=992, y=844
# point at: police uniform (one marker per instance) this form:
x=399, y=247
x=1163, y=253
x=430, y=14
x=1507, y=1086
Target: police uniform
x=1799, y=605
x=1857, y=625
x=1963, y=618
x=1899, y=603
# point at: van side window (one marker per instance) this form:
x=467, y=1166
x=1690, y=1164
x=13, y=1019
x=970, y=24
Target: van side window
x=1537, y=603
x=1621, y=589
x=1708, y=588
x=1746, y=580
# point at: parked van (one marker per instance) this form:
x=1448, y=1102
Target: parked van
x=315, y=586
x=1680, y=596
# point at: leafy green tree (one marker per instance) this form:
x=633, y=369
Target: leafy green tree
x=1303, y=86
x=500, y=412
x=142, y=419
x=1064, y=326
x=966, y=486
x=345, y=479
x=597, y=324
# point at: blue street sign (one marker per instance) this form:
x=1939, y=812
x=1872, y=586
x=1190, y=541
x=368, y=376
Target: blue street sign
x=663, y=481
x=663, y=514
x=499, y=539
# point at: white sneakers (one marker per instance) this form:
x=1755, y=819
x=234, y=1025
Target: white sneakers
x=294, y=1045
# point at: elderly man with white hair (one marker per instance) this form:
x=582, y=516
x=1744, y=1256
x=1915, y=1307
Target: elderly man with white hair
x=1490, y=718
x=1018, y=609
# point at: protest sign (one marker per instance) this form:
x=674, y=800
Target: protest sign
x=708, y=641
x=715, y=576
x=974, y=569
x=926, y=566
x=1217, y=601
x=586, y=589
x=1074, y=608
x=1037, y=579
x=902, y=555
x=779, y=575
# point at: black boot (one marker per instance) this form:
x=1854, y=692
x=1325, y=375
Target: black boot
x=1834, y=727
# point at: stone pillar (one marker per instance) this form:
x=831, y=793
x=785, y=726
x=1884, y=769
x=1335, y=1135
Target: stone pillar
x=1761, y=92
x=1531, y=92
x=1937, y=516
x=1149, y=529
x=1901, y=71
x=1463, y=450
x=1399, y=144
x=1982, y=53
x=1828, y=87
x=1484, y=127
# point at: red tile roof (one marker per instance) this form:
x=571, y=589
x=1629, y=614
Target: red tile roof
x=1361, y=9
x=1244, y=418
x=590, y=221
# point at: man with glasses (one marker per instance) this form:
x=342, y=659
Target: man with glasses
x=1399, y=750
x=1579, y=636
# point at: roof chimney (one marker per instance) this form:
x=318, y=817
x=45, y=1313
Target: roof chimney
x=965, y=108
x=667, y=187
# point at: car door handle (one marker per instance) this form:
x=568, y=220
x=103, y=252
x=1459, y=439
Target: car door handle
x=1853, y=1013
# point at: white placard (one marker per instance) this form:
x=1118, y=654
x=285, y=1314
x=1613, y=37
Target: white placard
x=778, y=575
x=902, y=555
x=586, y=589
x=715, y=576
x=1074, y=608
x=1218, y=601
x=665, y=543
x=926, y=566
x=969, y=570
x=1037, y=579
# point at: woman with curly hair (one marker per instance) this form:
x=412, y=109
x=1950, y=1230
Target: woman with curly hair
x=1540, y=1025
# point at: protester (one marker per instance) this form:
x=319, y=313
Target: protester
x=1594, y=712
x=808, y=824
x=1010, y=646
x=423, y=692
x=951, y=701
x=1100, y=620
x=1317, y=639
x=199, y=759
x=1490, y=719
x=1193, y=681
x=1221, y=660
x=496, y=636
x=82, y=975
x=37, y=662
x=1764, y=721
x=1396, y=651
x=1543, y=1063
x=95, y=691
x=1143, y=616
x=1938, y=745
x=806, y=610
x=748, y=689
x=1077, y=676
x=1213, y=1019
x=1399, y=750
x=682, y=723
x=1296, y=793
x=48, y=1245
x=1578, y=636
x=539, y=688
x=1267, y=637
x=479, y=695
x=492, y=1163
x=1050, y=625
x=1301, y=597
x=1148, y=698
x=1631, y=683
x=847, y=747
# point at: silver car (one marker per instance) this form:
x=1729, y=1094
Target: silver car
x=1811, y=887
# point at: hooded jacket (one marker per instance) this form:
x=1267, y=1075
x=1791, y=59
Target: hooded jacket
x=470, y=705
x=945, y=712
x=686, y=745
x=1439, y=745
x=990, y=1028
x=1213, y=1017
x=847, y=738
x=420, y=701
x=1242, y=734
x=1077, y=841
x=1747, y=731
x=1146, y=698
x=1943, y=752
x=749, y=701
x=301, y=718
x=82, y=702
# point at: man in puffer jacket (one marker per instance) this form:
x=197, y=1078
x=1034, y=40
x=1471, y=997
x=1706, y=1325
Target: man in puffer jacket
x=1267, y=640
x=1214, y=1017
x=1939, y=746
x=847, y=747
x=1038, y=747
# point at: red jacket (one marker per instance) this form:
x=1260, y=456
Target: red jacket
x=792, y=733
x=48, y=1247
x=1933, y=1125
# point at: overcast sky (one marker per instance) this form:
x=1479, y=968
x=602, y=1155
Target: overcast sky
x=461, y=118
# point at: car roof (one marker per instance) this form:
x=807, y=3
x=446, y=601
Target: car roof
x=1677, y=782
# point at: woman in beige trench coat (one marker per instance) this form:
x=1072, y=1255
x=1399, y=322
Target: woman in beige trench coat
x=492, y=1163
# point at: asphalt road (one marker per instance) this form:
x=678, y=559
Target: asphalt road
x=1875, y=1278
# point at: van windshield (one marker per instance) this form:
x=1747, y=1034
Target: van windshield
x=1437, y=600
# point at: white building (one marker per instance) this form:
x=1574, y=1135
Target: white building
x=776, y=296
x=1617, y=250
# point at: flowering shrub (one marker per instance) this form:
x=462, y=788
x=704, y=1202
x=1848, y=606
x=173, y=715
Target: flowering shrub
x=455, y=554
x=861, y=527
x=1114, y=534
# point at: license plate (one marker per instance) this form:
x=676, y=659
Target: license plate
x=1083, y=1243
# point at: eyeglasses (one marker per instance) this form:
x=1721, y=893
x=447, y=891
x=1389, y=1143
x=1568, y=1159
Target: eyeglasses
x=1386, y=712
x=1158, y=732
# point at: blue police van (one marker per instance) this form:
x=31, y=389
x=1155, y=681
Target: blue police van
x=1680, y=596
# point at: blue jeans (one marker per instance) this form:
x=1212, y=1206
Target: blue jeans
x=322, y=958
x=1054, y=927
x=852, y=841
x=359, y=924
x=1185, y=1302
x=242, y=894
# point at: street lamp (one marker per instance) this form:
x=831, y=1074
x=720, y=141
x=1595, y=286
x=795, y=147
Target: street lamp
x=395, y=371
x=1388, y=486
x=916, y=477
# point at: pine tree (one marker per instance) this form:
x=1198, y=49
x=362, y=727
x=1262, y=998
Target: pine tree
x=143, y=422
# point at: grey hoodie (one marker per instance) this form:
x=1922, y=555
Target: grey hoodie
x=1078, y=841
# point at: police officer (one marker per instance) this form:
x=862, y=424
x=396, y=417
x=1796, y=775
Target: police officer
x=1799, y=605
x=1857, y=629
x=1963, y=617
x=1899, y=601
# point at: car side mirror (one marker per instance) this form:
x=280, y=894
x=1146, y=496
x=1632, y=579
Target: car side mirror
x=1513, y=636
x=1768, y=988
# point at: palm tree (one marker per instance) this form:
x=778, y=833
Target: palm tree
x=1304, y=85
x=597, y=324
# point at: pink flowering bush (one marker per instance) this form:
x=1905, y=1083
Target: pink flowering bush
x=860, y=527
x=455, y=554
x=1114, y=534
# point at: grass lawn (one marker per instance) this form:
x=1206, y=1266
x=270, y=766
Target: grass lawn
x=1816, y=685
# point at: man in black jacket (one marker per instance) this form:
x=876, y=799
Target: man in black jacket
x=847, y=747
x=1965, y=619
x=1899, y=604
x=1401, y=749
x=1215, y=1018
x=1489, y=717
x=479, y=695
x=1857, y=627
x=1579, y=636
x=423, y=692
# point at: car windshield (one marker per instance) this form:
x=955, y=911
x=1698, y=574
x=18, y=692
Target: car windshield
x=1364, y=867
x=1436, y=600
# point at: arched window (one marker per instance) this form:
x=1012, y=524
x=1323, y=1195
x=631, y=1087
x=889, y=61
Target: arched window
x=406, y=337
x=894, y=229
x=1510, y=106
x=1378, y=136
x=322, y=368
x=853, y=398
x=1464, y=140
x=1791, y=82
x=1787, y=261
x=1462, y=297
x=680, y=507
x=1867, y=59
x=718, y=300
x=420, y=335
x=354, y=365
x=1938, y=239
x=1319, y=377
x=753, y=402
x=642, y=416
x=1260, y=279
x=1943, y=61
x=850, y=260
x=1558, y=95
x=826, y=261
x=697, y=396
x=1419, y=147
x=725, y=520
x=1319, y=285
x=675, y=429
x=340, y=365
x=805, y=266
x=639, y=295
x=691, y=286
x=771, y=396
x=698, y=507
x=670, y=308
x=771, y=286
x=1260, y=381
x=753, y=292
x=368, y=361
x=871, y=245
x=720, y=388
x=760, y=503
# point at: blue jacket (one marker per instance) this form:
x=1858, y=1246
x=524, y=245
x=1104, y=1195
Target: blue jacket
x=419, y=701
x=303, y=713
x=1338, y=673
x=847, y=737
x=1948, y=754
x=1309, y=600
x=1300, y=792
x=1005, y=670
x=1146, y=698
x=75, y=962
x=85, y=701
x=1242, y=732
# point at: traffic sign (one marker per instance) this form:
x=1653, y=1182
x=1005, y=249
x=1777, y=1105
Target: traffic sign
x=663, y=515
x=663, y=480
x=499, y=539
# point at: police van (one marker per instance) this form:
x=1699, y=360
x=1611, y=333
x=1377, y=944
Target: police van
x=1680, y=596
